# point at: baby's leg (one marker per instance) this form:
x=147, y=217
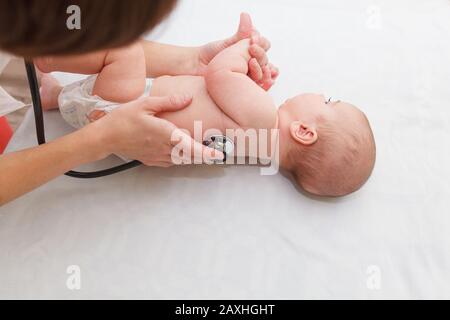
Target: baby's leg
x=122, y=78
x=49, y=91
x=121, y=72
x=235, y=93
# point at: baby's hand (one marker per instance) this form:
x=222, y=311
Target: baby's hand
x=260, y=70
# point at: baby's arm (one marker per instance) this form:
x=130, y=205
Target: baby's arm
x=235, y=93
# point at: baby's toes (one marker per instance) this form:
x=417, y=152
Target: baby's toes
x=274, y=71
x=259, y=54
x=255, y=70
x=267, y=81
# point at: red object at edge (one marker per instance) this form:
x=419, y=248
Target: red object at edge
x=5, y=134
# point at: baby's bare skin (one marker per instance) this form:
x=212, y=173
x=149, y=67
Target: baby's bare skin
x=203, y=109
x=227, y=98
x=118, y=83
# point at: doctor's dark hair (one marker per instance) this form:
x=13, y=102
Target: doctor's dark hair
x=32, y=28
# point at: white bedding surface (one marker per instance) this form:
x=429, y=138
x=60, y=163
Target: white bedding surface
x=216, y=232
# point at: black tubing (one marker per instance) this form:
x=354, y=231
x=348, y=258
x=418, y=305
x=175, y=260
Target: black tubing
x=40, y=130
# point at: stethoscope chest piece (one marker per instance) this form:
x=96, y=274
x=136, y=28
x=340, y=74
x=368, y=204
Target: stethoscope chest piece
x=220, y=143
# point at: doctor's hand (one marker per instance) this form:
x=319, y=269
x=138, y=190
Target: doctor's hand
x=133, y=131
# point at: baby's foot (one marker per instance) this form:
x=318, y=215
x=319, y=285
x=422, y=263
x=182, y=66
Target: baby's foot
x=50, y=89
x=261, y=70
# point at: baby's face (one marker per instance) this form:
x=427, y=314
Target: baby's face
x=310, y=107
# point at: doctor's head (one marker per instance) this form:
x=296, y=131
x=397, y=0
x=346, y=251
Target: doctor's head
x=33, y=28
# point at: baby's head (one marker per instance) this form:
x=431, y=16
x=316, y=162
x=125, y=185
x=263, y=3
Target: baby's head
x=328, y=146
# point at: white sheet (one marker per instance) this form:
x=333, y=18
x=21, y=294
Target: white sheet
x=217, y=232
x=7, y=103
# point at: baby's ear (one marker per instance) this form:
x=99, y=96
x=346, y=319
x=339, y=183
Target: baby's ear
x=303, y=133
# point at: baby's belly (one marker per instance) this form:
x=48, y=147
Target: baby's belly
x=202, y=117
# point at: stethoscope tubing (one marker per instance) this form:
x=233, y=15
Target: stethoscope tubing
x=40, y=130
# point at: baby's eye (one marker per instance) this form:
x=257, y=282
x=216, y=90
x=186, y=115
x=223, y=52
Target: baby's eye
x=328, y=101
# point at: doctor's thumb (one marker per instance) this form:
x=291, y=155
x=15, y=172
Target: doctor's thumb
x=155, y=105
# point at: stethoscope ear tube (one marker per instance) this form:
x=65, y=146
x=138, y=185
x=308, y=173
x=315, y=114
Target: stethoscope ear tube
x=40, y=129
x=36, y=99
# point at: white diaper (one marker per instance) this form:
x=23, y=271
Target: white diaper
x=76, y=101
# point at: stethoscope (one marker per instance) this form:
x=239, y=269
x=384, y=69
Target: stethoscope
x=218, y=142
x=40, y=131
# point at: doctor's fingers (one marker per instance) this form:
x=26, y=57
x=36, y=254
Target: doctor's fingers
x=155, y=105
x=158, y=164
x=187, y=150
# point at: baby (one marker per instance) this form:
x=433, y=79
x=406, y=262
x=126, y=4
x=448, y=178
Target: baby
x=327, y=146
